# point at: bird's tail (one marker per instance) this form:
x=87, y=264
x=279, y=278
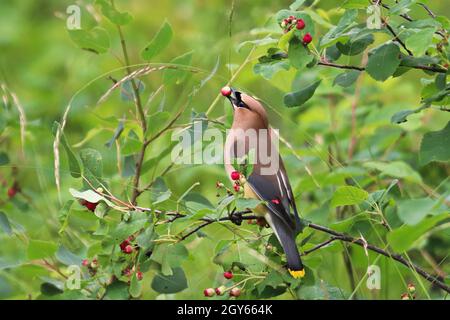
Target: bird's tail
x=286, y=237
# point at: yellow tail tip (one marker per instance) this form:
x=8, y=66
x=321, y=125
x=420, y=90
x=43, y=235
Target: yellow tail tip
x=297, y=273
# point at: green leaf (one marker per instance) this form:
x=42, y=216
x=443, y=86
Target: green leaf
x=401, y=7
x=66, y=257
x=117, y=290
x=268, y=70
x=298, y=98
x=244, y=204
x=116, y=135
x=74, y=164
x=135, y=286
x=4, y=224
x=169, y=256
x=112, y=14
x=346, y=224
x=355, y=46
x=93, y=166
x=179, y=74
x=347, y=21
x=383, y=61
x=131, y=144
x=403, y=238
x=412, y=211
x=159, y=42
x=170, y=284
x=159, y=191
x=39, y=249
x=124, y=229
x=299, y=55
x=419, y=42
x=348, y=195
x=347, y=78
x=95, y=40
x=89, y=195
x=402, y=116
x=396, y=169
x=435, y=146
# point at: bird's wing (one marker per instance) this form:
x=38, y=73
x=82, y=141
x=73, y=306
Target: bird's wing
x=271, y=188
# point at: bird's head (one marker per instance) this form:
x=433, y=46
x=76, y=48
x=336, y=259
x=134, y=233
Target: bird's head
x=247, y=109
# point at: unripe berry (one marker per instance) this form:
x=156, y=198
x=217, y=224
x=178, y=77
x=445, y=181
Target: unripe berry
x=94, y=264
x=300, y=24
x=237, y=188
x=226, y=91
x=235, y=292
x=85, y=262
x=228, y=274
x=128, y=249
x=411, y=288
x=219, y=185
x=405, y=296
x=220, y=290
x=208, y=292
x=283, y=23
x=235, y=175
x=139, y=275
x=307, y=38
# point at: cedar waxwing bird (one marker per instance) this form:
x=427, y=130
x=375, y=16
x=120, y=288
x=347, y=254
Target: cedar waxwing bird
x=268, y=180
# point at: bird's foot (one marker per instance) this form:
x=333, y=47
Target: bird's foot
x=235, y=217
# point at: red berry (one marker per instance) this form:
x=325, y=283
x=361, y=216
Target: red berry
x=235, y=292
x=220, y=290
x=124, y=244
x=85, y=262
x=139, y=275
x=226, y=91
x=275, y=201
x=300, y=24
x=307, y=38
x=89, y=205
x=237, y=187
x=235, y=175
x=128, y=249
x=12, y=192
x=208, y=292
x=228, y=274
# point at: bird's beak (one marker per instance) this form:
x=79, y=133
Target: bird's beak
x=234, y=96
x=234, y=100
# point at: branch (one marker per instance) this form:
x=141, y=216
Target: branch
x=342, y=66
x=408, y=18
x=336, y=236
x=239, y=216
x=342, y=237
x=396, y=38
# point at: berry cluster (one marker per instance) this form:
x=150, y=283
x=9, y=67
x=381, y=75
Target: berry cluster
x=126, y=246
x=292, y=22
x=236, y=176
x=92, y=266
x=128, y=272
x=411, y=294
x=233, y=291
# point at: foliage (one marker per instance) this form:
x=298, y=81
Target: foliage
x=86, y=156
